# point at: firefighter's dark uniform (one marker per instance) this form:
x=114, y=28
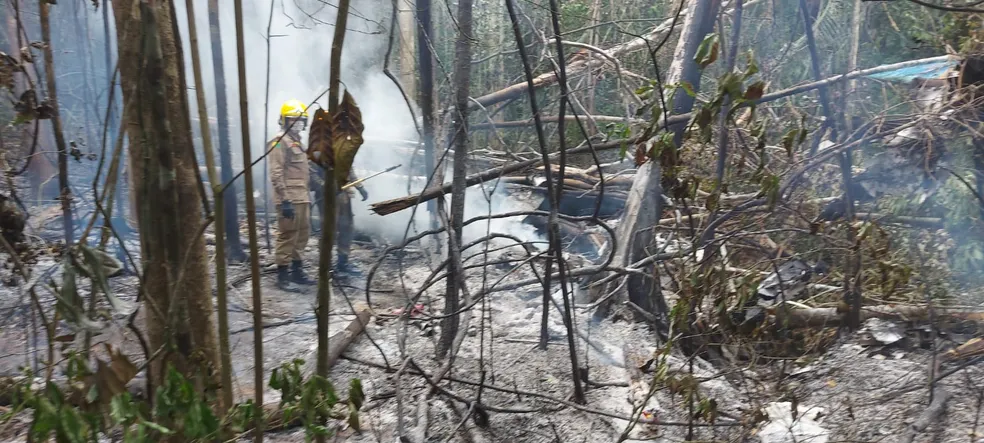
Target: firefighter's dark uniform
x=344, y=219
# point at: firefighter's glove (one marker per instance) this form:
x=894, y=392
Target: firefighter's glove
x=287, y=209
x=363, y=193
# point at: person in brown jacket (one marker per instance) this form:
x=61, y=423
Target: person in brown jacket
x=289, y=174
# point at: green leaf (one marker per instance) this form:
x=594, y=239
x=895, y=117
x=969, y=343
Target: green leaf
x=92, y=395
x=707, y=52
x=752, y=67
x=121, y=409
x=688, y=88
x=98, y=266
x=356, y=396
x=200, y=422
x=353, y=418
x=789, y=140
x=72, y=426
x=70, y=304
x=770, y=189
x=156, y=427
x=729, y=84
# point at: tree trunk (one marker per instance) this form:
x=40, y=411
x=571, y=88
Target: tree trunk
x=220, y=260
x=164, y=172
x=408, y=71
x=594, y=39
x=644, y=204
x=462, y=79
x=231, y=208
x=254, y=259
x=425, y=33
x=65, y=194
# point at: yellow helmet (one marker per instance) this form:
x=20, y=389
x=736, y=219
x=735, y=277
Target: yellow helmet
x=293, y=109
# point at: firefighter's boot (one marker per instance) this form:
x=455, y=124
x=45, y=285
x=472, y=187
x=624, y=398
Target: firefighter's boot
x=283, y=280
x=297, y=274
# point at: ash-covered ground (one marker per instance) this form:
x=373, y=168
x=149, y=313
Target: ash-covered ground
x=527, y=393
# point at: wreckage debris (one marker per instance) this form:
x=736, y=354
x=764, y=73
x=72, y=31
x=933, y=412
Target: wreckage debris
x=787, y=283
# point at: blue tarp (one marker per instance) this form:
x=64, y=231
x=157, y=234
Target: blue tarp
x=925, y=71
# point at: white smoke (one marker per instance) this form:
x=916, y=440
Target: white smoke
x=299, y=67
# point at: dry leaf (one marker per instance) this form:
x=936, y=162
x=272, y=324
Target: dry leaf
x=346, y=137
x=641, y=155
x=319, y=140
x=8, y=65
x=755, y=91
x=109, y=380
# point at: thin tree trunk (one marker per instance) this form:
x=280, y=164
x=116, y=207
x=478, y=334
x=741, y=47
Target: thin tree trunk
x=408, y=71
x=462, y=80
x=852, y=289
x=425, y=35
x=329, y=212
x=82, y=43
x=266, y=136
x=118, y=221
x=220, y=260
x=49, y=70
x=807, y=16
x=593, y=39
x=231, y=207
x=254, y=259
x=554, y=207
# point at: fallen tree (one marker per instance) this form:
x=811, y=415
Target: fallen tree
x=829, y=317
x=552, y=119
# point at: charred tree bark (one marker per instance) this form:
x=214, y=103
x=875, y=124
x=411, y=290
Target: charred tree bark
x=231, y=205
x=462, y=79
x=164, y=171
x=65, y=194
x=425, y=60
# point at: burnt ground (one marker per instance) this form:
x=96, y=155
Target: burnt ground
x=860, y=394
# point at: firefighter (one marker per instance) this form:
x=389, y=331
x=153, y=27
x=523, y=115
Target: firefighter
x=343, y=216
x=289, y=174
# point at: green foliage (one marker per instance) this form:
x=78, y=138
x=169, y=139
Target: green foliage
x=574, y=14
x=707, y=52
x=313, y=400
x=76, y=415
x=178, y=404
